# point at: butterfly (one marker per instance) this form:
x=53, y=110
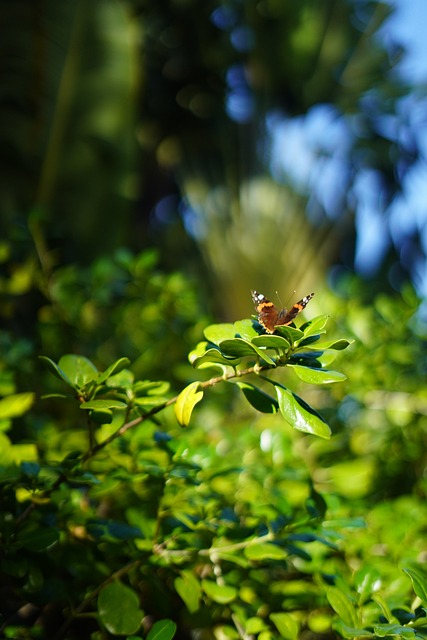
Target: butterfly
x=269, y=315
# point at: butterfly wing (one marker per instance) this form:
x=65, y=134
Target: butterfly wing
x=286, y=317
x=267, y=311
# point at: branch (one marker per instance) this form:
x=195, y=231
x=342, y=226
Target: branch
x=133, y=423
x=82, y=606
x=202, y=385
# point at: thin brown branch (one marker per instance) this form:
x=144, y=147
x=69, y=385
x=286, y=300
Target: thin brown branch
x=133, y=423
x=85, y=603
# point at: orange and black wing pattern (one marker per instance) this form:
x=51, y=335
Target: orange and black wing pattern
x=269, y=315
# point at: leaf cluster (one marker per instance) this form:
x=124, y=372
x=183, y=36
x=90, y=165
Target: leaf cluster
x=240, y=349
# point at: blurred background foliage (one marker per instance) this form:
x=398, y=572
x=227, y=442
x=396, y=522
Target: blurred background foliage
x=172, y=124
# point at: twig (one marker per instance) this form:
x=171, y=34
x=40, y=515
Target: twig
x=82, y=606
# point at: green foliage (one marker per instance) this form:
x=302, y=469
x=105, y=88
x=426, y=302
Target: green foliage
x=114, y=520
x=228, y=345
x=123, y=619
x=379, y=421
x=120, y=522
x=119, y=304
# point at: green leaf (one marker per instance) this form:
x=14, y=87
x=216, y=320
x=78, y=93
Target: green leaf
x=393, y=630
x=317, y=376
x=7, y=384
x=385, y=609
x=265, y=551
x=367, y=580
x=290, y=333
x=123, y=531
x=316, y=504
x=123, y=379
x=56, y=396
x=337, y=345
x=116, y=367
x=78, y=370
x=239, y=348
x=419, y=581
x=354, y=477
x=245, y=329
x=342, y=605
x=103, y=404
x=162, y=630
x=199, y=350
x=272, y=342
x=345, y=523
x=326, y=358
x=15, y=565
x=56, y=370
x=300, y=415
x=151, y=387
x=315, y=326
x=35, y=578
x=30, y=469
x=149, y=401
x=307, y=341
x=101, y=416
x=260, y=400
x=11, y=473
x=255, y=625
x=118, y=608
x=15, y=405
x=236, y=557
x=185, y=403
x=36, y=538
x=188, y=588
x=286, y=625
x=348, y=631
x=217, y=332
x=20, y=452
x=222, y=594
x=213, y=357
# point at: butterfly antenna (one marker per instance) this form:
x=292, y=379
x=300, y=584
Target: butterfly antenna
x=290, y=297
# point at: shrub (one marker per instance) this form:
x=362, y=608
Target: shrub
x=118, y=521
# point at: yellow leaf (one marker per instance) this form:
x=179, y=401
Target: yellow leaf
x=185, y=403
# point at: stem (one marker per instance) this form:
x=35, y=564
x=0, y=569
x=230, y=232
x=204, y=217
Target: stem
x=82, y=606
x=216, y=550
x=133, y=423
x=25, y=514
